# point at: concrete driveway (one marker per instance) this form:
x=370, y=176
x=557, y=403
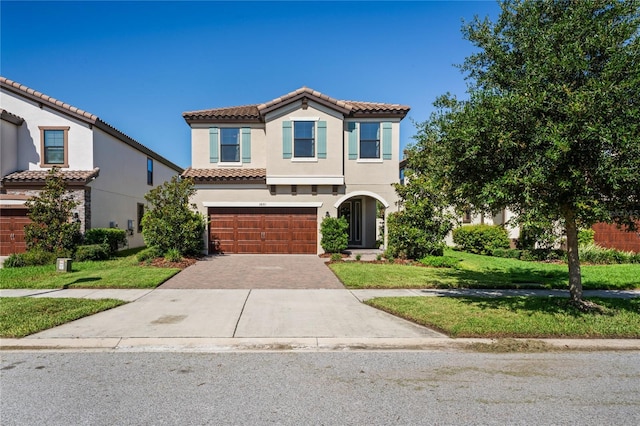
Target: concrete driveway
x=242, y=297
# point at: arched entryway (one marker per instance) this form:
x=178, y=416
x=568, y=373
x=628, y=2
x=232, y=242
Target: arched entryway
x=366, y=215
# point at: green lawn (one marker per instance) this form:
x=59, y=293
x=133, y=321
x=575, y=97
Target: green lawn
x=476, y=271
x=121, y=272
x=517, y=317
x=21, y=316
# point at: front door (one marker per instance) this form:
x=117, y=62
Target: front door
x=352, y=211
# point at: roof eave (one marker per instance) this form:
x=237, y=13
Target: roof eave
x=265, y=108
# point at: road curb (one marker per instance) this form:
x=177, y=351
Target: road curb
x=311, y=344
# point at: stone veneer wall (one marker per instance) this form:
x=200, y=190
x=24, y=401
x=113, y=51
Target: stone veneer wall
x=82, y=196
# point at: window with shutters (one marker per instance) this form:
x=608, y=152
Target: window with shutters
x=230, y=145
x=54, y=144
x=369, y=140
x=304, y=145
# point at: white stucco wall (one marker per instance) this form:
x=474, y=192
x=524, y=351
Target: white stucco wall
x=8, y=148
x=200, y=155
x=80, y=146
x=122, y=184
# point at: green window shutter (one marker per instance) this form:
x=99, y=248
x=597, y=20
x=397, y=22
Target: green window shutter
x=213, y=144
x=386, y=141
x=287, y=135
x=322, y=139
x=353, y=141
x=246, y=144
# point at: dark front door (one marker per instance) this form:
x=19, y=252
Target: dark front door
x=352, y=211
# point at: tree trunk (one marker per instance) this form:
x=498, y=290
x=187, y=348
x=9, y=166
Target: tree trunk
x=575, y=277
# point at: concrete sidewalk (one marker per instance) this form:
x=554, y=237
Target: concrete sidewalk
x=260, y=319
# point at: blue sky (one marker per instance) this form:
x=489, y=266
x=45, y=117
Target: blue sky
x=139, y=65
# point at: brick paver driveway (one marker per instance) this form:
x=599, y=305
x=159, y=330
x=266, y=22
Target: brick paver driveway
x=246, y=271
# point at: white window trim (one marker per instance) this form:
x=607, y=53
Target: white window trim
x=370, y=160
x=230, y=163
x=313, y=159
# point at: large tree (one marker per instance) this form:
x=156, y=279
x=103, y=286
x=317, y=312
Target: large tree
x=551, y=128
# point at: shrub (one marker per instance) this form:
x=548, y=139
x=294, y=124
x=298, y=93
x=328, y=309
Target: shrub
x=52, y=229
x=33, y=257
x=586, y=236
x=173, y=255
x=171, y=222
x=336, y=257
x=440, y=261
x=112, y=237
x=149, y=253
x=92, y=252
x=593, y=253
x=508, y=253
x=481, y=239
x=335, y=238
x=412, y=236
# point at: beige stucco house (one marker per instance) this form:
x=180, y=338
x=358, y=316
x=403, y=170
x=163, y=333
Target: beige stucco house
x=107, y=172
x=267, y=174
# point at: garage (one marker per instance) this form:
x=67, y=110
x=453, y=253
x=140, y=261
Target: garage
x=263, y=230
x=12, y=223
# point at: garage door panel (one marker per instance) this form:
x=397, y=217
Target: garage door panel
x=12, y=223
x=265, y=230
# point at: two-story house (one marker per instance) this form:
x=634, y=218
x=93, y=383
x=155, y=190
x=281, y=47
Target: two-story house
x=267, y=174
x=107, y=172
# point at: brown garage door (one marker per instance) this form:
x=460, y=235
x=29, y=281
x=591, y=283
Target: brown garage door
x=268, y=230
x=12, y=222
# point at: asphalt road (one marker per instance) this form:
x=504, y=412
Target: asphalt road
x=323, y=388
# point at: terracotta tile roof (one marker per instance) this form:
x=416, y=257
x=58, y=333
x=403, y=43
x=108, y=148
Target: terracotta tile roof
x=226, y=175
x=83, y=116
x=244, y=112
x=11, y=118
x=257, y=112
x=39, y=176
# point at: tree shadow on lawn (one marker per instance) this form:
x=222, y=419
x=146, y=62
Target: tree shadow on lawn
x=80, y=281
x=550, y=305
x=511, y=277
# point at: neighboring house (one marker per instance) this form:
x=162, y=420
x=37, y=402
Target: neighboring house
x=267, y=174
x=610, y=236
x=107, y=172
x=502, y=218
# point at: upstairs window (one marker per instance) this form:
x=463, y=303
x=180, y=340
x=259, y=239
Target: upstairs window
x=229, y=145
x=304, y=139
x=54, y=144
x=149, y=171
x=369, y=140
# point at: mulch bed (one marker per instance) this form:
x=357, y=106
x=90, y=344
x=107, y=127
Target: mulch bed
x=160, y=262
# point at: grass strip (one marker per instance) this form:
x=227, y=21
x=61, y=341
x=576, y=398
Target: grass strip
x=121, y=272
x=517, y=317
x=21, y=316
x=475, y=271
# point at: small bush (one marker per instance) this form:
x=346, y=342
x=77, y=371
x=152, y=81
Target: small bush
x=112, y=237
x=378, y=257
x=358, y=257
x=149, y=253
x=173, y=255
x=593, y=253
x=586, y=236
x=481, y=239
x=92, y=252
x=334, y=234
x=336, y=257
x=33, y=257
x=440, y=262
x=508, y=253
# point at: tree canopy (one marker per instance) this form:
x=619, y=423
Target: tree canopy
x=551, y=127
